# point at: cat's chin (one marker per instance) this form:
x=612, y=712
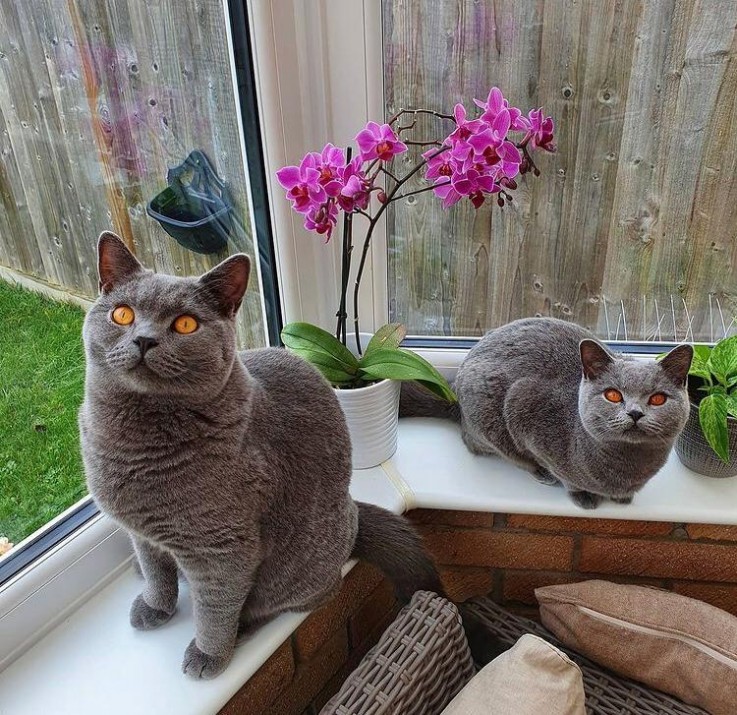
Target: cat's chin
x=638, y=435
x=144, y=380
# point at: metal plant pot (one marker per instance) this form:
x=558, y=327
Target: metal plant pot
x=695, y=452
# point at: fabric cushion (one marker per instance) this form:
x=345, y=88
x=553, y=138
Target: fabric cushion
x=667, y=641
x=531, y=678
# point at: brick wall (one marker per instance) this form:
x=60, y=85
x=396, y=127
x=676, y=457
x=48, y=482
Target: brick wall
x=507, y=556
x=309, y=668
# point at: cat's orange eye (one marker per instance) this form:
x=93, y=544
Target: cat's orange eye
x=613, y=395
x=123, y=315
x=185, y=324
x=657, y=399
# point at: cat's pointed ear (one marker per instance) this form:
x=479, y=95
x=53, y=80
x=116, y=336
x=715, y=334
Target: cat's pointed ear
x=677, y=363
x=595, y=360
x=227, y=282
x=115, y=263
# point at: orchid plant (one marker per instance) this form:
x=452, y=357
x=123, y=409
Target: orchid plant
x=480, y=157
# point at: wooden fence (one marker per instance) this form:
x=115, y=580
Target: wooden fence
x=98, y=98
x=631, y=228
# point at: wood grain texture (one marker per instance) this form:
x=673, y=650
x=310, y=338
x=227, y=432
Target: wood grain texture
x=632, y=228
x=98, y=98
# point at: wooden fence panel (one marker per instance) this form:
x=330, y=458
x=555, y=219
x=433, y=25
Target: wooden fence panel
x=98, y=98
x=631, y=229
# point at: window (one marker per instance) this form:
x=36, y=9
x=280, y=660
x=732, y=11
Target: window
x=102, y=106
x=630, y=229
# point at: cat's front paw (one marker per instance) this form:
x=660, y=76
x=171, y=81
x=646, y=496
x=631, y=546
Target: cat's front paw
x=623, y=500
x=543, y=476
x=586, y=500
x=144, y=617
x=197, y=664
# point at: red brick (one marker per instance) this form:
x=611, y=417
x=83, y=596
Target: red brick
x=374, y=609
x=265, y=684
x=684, y=560
x=722, y=596
x=581, y=525
x=519, y=586
x=711, y=532
x=464, y=519
x=477, y=547
x=464, y=582
x=318, y=626
x=310, y=677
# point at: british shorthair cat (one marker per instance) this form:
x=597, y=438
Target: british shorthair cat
x=548, y=396
x=231, y=468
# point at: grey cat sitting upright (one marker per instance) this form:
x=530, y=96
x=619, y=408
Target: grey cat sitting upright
x=551, y=398
x=233, y=469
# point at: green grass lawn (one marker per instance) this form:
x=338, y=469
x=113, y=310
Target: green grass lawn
x=41, y=380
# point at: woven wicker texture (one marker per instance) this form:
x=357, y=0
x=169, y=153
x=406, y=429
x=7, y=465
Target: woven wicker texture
x=606, y=693
x=421, y=661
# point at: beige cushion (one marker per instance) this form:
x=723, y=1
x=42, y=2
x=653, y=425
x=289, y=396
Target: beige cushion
x=532, y=678
x=669, y=642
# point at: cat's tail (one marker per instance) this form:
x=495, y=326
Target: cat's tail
x=416, y=401
x=390, y=543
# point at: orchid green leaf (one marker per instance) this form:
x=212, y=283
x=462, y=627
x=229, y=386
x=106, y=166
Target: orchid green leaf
x=336, y=362
x=398, y=364
x=388, y=336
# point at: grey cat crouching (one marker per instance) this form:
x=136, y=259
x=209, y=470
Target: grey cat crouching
x=231, y=468
x=548, y=396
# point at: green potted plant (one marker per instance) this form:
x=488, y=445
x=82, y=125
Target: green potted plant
x=708, y=443
x=475, y=159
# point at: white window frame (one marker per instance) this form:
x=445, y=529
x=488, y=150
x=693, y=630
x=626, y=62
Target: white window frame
x=319, y=71
x=42, y=594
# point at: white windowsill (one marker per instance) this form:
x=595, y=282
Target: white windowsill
x=94, y=661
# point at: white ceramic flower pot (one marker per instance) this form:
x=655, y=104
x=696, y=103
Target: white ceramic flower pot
x=372, y=414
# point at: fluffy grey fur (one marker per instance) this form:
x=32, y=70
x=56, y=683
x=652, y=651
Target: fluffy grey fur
x=533, y=391
x=232, y=469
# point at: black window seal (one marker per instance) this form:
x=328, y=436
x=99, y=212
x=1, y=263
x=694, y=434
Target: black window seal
x=248, y=99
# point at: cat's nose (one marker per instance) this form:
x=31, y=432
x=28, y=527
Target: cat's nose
x=635, y=415
x=145, y=344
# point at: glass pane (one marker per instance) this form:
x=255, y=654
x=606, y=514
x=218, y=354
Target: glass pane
x=98, y=101
x=629, y=230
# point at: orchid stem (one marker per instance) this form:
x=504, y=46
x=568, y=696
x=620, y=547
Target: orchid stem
x=347, y=250
x=440, y=115
x=420, y=191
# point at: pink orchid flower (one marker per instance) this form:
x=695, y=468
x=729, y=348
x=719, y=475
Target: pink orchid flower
x=303, y=184
x=322, y=218
x=494, y=151
x=439, y=166
x=331, y=163
x=540, y=131
x=448, y=194
x=464, y=129
x=379, y=142
x=355, y=187
x=473, y=181
x=495, y=104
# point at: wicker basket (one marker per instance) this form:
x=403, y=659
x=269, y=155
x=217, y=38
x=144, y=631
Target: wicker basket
x=606, y=693
x=418, y=666
x=696, y=453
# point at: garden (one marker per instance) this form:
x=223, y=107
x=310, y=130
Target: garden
x=41, y=383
